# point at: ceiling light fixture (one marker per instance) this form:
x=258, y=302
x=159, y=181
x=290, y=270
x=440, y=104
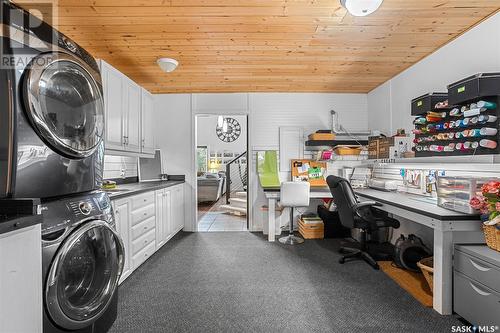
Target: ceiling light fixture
x=361, y=7
x=167, y=64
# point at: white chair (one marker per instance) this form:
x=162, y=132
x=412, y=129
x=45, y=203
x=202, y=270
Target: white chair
x=294, y=194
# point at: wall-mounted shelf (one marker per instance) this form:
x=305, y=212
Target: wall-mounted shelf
x=328, y=144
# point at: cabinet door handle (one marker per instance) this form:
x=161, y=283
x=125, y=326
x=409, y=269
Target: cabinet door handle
x=479, y=290
x=478, y=266
x=145, y=228
x=145, y=200
x=145, y=214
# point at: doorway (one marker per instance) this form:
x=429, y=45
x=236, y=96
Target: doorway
x=222, y=172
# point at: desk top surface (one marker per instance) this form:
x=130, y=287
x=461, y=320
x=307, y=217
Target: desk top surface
x=415, y=203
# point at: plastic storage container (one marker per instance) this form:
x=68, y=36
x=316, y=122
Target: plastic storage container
x=454, y=193
x=474, y=87
x=425, y=103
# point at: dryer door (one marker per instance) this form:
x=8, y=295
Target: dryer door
x=64, y=102
x=84, y=275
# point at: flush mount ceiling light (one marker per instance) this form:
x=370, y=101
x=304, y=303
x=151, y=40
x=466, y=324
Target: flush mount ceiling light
x=361, y=7
x=167, y=64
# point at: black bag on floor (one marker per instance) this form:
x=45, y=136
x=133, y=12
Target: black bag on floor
x=333, y=227
x=408, y=251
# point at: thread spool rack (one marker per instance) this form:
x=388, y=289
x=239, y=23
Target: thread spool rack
x=460, y=132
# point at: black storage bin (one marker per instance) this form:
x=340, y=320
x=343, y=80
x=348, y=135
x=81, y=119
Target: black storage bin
x=426, y=103
x=474, y=87
x=333, y=227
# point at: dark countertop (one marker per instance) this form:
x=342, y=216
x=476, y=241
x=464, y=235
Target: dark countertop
x=8, y=224
x=415, y=203
x=126, y=190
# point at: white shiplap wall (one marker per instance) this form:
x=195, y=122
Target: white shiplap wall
x=389, y=104
x=119, y=166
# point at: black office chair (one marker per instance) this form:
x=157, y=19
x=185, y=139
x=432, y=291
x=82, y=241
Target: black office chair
x=361, y=215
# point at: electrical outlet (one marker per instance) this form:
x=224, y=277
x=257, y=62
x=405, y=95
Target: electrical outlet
x=122, y=172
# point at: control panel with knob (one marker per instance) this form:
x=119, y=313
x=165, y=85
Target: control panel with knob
x=85, y=207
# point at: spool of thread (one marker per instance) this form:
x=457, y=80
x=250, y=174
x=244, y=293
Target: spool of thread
x=458, y=135
x=450, y=147
x=486, y=105
x=472, y=106
x=431, y=128
x=466, y=133
x=439, y=127
x=463, y=109
x=451, y=135
x=455, y=112
x=474, y=120
x=467, y=145
x=436, y=148
x=419, y=148
x=488, y=131
x=483, y=119
x=474, y=145
x=464, y=123
x=420, y=121
x=490, y=144
x=459, y=146
x=417, y=131
x=474, y=133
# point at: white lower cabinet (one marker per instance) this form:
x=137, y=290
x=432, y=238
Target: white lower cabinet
x=147, y=221
x=21, y=280
x=121, y=208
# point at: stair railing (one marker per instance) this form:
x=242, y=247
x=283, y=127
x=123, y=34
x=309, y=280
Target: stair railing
x=229, y=175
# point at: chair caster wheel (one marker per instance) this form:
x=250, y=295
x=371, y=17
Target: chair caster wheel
x=341, y=261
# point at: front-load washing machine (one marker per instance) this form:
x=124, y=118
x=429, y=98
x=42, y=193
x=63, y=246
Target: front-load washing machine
x=51, y=111
x=82, y=260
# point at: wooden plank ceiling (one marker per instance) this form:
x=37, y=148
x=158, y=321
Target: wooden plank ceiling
x=265, y=45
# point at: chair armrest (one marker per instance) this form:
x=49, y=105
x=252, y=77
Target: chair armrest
x=358, y=208
x=364, y=204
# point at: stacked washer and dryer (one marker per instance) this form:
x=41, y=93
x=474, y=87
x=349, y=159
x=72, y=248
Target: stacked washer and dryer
x=51, y=147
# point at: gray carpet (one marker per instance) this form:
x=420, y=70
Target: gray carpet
x=238, y=282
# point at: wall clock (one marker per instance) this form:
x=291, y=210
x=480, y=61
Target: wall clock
x=233, y=130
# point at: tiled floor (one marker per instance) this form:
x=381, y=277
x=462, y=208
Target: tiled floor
x=211, y=218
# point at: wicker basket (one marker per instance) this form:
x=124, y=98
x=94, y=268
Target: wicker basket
x=492, y=236
x=426, y=265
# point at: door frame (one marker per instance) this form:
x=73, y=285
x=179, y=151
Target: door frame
x=194, y=142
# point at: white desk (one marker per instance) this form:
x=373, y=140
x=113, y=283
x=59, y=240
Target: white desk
x=449, y=228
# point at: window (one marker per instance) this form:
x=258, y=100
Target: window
x=202, y=158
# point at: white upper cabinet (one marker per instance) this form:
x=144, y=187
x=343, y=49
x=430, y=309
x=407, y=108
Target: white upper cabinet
x=147, y=124
x=114, y=135
x=129, y=114
x=133, y=109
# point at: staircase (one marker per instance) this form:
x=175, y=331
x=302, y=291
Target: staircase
x=237, y=204
x=236, y=185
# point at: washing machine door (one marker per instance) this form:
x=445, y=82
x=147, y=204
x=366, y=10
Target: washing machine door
x=84, y=275
x=64, y=103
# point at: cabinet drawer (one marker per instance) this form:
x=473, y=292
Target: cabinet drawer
x=475, y=302
x=477, y=269
x=143, y=241
x=142, y=214
x=142, y=228
x=144, y=254
x=143, y=200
